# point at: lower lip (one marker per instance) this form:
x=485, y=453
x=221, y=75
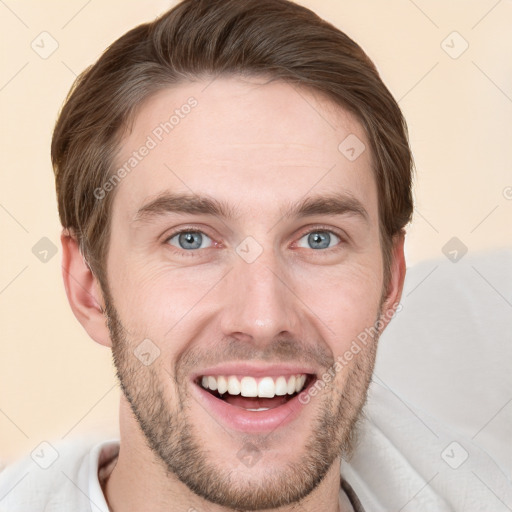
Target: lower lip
x=244, y=420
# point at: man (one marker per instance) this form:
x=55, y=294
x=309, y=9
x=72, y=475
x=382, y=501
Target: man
x=233, y=181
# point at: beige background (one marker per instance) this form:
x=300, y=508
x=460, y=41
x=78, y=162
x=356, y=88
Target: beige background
x=54, y=381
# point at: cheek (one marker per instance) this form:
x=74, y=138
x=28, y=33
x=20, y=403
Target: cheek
x=155, y=300
x=346, y=300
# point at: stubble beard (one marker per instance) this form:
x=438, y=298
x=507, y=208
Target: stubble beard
x=183, y=450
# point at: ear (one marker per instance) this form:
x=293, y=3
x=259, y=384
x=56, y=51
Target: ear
x=395, y=285
x=83, y=291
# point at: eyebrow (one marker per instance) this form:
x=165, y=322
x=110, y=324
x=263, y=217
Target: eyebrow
x=331, y=204
x=168, y=203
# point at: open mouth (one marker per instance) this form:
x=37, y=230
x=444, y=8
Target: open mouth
x=255, y=394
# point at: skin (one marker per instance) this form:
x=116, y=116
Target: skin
x=258, y=147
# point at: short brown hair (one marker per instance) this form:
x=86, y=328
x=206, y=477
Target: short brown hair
x=203, y=39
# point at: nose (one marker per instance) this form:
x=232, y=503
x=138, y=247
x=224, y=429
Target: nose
x=259, y=304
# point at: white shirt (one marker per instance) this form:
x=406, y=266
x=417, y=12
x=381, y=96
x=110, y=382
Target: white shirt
x=69, y=483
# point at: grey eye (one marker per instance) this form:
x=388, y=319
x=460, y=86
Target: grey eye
x=189, y=240
x=318, y=240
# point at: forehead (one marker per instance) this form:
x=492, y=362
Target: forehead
x=242, y=140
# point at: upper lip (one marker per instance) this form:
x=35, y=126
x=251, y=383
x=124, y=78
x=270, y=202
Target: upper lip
x=255, y=370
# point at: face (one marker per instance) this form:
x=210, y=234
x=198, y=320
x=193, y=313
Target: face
x=244, y=260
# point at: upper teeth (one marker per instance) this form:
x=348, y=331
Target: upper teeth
x=266, y=387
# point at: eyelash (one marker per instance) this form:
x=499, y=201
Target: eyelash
x=325, y=229
x=193, y=253
x=183, y=252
